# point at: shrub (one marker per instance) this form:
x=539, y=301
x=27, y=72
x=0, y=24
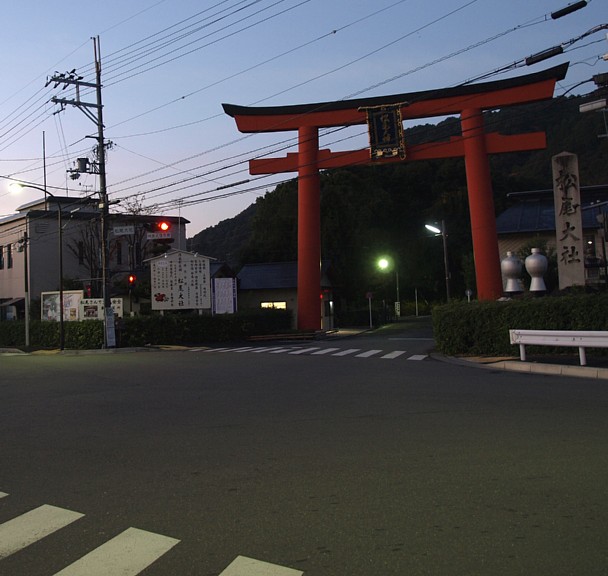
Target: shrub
x=482, y=328
x=149, y=330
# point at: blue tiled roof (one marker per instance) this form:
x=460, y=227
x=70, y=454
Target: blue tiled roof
x=535, y=212
x=273, y=275
x=268, y=275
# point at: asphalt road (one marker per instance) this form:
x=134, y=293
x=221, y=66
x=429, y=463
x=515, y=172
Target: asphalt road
x=359, y=464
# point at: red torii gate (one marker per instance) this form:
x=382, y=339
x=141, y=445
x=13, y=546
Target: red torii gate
x=469, y=101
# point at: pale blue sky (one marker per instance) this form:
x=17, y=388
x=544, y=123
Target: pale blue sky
x=173, y=142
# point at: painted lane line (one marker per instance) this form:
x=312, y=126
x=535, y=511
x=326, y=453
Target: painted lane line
x=3, y=494
x=125, y=555
x=32, y=526
x=243, y=566
x=325, y=351
x=347, y=352
x=305, y=350
x=393, y=355
x=367, y=353
x=265, y=349
x=418, y=357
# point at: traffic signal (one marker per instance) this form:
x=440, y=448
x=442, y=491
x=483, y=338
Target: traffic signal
x=131, y=280
x=163, y=226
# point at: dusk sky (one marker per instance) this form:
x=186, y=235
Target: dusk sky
x=168, y=65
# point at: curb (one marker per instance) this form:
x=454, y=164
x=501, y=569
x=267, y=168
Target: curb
x=513, y=365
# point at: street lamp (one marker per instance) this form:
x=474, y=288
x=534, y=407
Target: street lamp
x=20, y=185
x=386, y=264
x=442, y=232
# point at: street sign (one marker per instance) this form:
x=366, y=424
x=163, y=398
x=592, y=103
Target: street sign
x=159, y=236
x=123, y=230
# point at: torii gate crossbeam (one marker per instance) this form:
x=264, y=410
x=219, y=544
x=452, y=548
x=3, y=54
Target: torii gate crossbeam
x=474, y=144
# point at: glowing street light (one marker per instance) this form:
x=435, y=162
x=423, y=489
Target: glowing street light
x=442, y=232
x=385, y=264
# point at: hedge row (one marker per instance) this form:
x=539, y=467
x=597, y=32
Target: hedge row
x=482, y=328
x=149, y=330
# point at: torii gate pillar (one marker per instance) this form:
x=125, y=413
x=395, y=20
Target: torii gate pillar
x=481, y=206
x=474, y=144
x=309, y=229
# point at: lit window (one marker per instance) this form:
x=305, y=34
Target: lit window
x=275, y=305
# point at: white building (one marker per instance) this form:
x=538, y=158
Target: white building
x=31, y=251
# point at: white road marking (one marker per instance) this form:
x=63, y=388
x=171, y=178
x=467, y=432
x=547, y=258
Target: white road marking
x=125, y=555
x=198, y=350
x=368, y=353
x=241, y=349
x=305, y=350
x=243, y=566
x=417, y=357
x=265, y=349
x=347, y=352
x=279, y=350
x=325, y=351
x=3, y=494
x=32, y=526
x=393, y=355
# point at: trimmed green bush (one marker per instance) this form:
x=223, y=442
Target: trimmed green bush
x=183, y=329
x=482, y=328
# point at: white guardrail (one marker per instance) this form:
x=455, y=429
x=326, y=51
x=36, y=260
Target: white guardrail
x=580, y=339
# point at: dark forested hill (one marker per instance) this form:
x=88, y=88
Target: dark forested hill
x=371, y=210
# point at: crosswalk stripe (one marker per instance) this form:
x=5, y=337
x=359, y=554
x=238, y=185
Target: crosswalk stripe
x=367, y=354
x=325, y=351
x=197, y=350
x=125, y=555
x=265, y=349
x=305, y=350
x=393, y=355
x=30, y=527
x=347, y=352
x=315, y=351
x=243, y=566
x=229, y=349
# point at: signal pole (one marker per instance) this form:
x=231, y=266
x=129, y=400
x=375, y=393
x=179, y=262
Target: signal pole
x=94, y=111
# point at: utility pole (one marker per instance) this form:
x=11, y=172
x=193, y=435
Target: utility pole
x=94, y=111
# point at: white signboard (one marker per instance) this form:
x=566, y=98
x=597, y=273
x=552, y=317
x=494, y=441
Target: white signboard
x=50, y=305
x=124, y=230
x=224, y=295
x=159, y=236
x=568, y=221
x=180, y=281
x=92, y=308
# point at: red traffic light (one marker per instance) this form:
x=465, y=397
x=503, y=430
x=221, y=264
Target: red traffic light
x=132, y=278
x=163, y=226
